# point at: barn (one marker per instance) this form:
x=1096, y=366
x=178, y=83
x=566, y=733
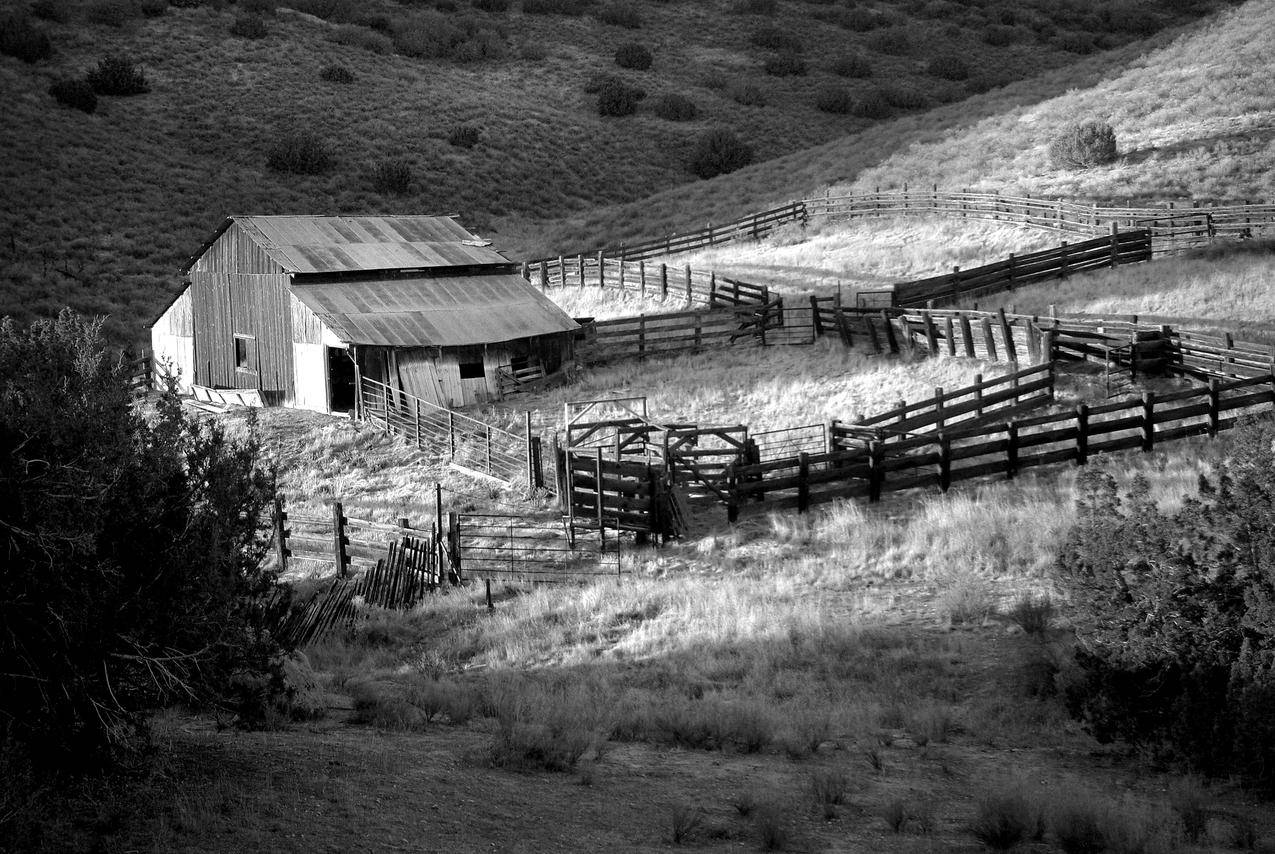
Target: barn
x=303, y=310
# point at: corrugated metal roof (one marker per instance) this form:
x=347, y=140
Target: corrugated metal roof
x=341, y=244
x=449, y=311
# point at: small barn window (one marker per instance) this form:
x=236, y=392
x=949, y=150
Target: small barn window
x=245, y=353
x=471, y=371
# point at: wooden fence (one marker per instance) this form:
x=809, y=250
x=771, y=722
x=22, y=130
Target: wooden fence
x=948, y=456
x=508, y=546
x=466, y=442
x=688, y=331
x=1174, y=226
x=653, y=280
x=346, y=543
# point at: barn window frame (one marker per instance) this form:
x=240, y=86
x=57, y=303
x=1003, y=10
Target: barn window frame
x=245, y=353
x=472, y=370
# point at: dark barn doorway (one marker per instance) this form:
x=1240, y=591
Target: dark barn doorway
x=340, y=380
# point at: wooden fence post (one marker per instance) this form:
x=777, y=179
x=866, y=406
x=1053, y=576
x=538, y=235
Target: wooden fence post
x=580, y=268
x=663, y=281
x=416, y=420
x=967, y=334
x=690, y=297
x=340, y=541
x=451, y=434
x=453, y=547
x=1115, y=244
x=1215, y=396
x=562, y=271
x=712, y=289
x=531, y=474
x=642, y=279
x=803, y=482
x=814, y=315
x=875, y=475
x=544, y=276
x=1011, y=350
x=890, y=338
x=537, y=463
x=1011, y=449
x=931, y=337
x=597, y=474
x=938, y=407
x=945, y=461
x=1148, y=420
x=602, y=271
x=280, y=533
x=1082, y=434
x=988, y=340
x=949, y=332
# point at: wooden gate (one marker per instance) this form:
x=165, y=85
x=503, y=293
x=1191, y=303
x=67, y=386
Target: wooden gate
x=697, y=458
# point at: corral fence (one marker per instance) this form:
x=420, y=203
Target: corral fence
x=467, y=443
x=939, y=459
x=763, y=324
x=1174, y=226
x=333, y=539
x=645, y=280
x=504, y=546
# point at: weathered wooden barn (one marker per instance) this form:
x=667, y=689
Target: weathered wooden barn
x=301, y=309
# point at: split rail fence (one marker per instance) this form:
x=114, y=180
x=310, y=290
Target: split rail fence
x=646, y=280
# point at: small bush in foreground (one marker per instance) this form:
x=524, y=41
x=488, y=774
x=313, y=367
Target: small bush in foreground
x=685, y=820
x=746, y=94
x=1083, y=145
x=300, y=153
x=392, y=176
x=464, y=136
x=118, y=75
x=74, y=93
x=547, y=727
x=620, y=15
x=828, y=791
x=834, y=99
x=871, y=105
x=249, y=27
x=785, y=65
x=1033, y=614
x=633, y=55
x=18, y=38
x=1004, y=819
x=336, y=74
x=717, y=152
x=1077, y=825
x=773, y=833
x=617, y=98
x=675, y=108
x=852, y=65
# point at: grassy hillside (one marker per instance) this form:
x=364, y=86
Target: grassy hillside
x=99, y=210
x=1193, y=111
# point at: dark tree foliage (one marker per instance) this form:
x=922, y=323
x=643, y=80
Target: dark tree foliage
x=616, y=98
x=300, y=153
x=719, y=151
x=675, y=108
x=1083, y=145
x=1178, y=651
x=633, y=55
x=393, y=177
x=118, y=75
x=132, y=543
x=20, y=39
x=74, y=93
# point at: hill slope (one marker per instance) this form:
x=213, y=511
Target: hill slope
x=99, y=210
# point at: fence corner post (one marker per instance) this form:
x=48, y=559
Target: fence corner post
x=340, y=541
x=280, y=533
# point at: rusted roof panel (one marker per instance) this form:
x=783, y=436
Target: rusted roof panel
x=450, y=311
x=340, y=244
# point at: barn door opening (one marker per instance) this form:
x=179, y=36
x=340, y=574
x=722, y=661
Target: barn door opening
x=340, y=380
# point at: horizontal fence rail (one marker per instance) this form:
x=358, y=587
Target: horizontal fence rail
x=645, y=280
x=512, y=546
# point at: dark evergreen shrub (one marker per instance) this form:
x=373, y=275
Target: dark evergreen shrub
x=852, y=65
x=1080, y=146
x=834, y=99
x=249, y=26
x=675, y=108
x=464, y=136
x=393, y=177
x=118, y=75
x=596, y=81
x=18, y=38
x=75, y=93
x=746, y=94
x=336, y=74
x=299, y=153
x=1081, y=43
x=871, y=105
x=948, y=66
x=717, y=152
x=906, y=98
x=785, y=65
x=633, y=55
x=619, y=14
x=616, y=98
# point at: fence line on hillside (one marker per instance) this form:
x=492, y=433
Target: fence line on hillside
x=653, y=280
x=1174, y=226
x=952, y=455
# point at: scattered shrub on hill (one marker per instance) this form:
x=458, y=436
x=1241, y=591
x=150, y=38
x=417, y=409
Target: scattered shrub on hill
x=464, y=136
x=717, y=152
x=757, y=7
x=1004, y=819
x=51, y=10
x=596, y=81
x=906, y=98
x=834, y=99
x=18, y=38
x=572, y=8
x=1000, y=35
x=1080, y=146
x=153, y=8
x=871, y=105
x=392, y=176
x=356, y=35
x=110, y=13
x=746, y=94
x=300, y=153
x=1081, y=43
x=495, y=7
x=75, y=93
x=619, y=14
x=249, y=26
x=852, y=65
x=785, y=65
x=675, y=108
x=948, y=66
x=892, y=40
x=777, y=38
x=616, y=98
x=118, y=75
x=714, y=79
x=1176, y=653
x=133, y=572
x=633, y=55
x=336, y=74
x=432, y=35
